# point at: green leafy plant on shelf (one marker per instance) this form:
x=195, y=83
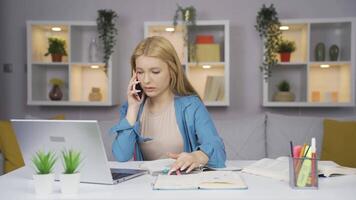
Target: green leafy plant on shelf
x=44, y=162
x=283, y=86
x=56, y=81
x=188, y=16
x=56, y=48
x=71, y=161
x=286, y=46
x=106, y=27
x=267, y=25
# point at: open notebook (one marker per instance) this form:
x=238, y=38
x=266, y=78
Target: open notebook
x=278, y=168
x=203, y=180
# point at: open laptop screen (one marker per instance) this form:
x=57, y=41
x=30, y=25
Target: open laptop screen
x=57, y=135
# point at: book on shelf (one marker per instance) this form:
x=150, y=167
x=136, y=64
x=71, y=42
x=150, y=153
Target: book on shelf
x=214, y=88
x=279, y=168
x=203, y=180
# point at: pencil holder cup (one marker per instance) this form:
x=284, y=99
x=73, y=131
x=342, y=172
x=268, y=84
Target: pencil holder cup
x=303, y=173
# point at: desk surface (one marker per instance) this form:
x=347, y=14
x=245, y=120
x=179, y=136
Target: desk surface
x=15, y=186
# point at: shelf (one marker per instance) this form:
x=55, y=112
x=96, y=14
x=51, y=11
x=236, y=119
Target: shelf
x=315, y=83
x=292, y=64
x=297, y=33
x=211, y=83
x=175, y=37
x=306, y=104
x=79, y=71
x=39, y=38
x=84, y=78
x=82, y=37
x=330, y=85
x=41, y=76
x=330, y=33
x=296, y=75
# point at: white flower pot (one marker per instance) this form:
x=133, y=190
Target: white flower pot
x=70, y=183
x=43, y=183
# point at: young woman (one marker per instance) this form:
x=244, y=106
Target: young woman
x=169, y=120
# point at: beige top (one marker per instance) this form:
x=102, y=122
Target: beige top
x=162, y=127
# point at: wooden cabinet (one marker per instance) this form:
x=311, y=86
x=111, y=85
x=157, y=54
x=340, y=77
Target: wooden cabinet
x=316, y=77
x=208, y=67
x=81, y=71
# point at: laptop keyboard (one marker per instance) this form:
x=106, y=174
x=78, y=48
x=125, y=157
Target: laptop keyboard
x=116, y=176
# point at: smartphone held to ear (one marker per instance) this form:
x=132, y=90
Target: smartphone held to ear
x=138, y=87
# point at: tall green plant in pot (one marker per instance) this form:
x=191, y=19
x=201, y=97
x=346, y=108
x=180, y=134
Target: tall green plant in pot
x=267, y=25
x=106, y=26
x=70, y=178
x=43, y=179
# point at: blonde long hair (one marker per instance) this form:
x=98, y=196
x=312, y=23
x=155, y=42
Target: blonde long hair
x=161, y=48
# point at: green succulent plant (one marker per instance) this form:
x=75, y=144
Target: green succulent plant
x=286, y=46
x=284, y=86
x=71, y=161
x=56, y=46
x=44, y=162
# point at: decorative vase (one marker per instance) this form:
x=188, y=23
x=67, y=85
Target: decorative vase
x=285, y=56
x=95, y=94
x=320, y=52
x=56, y=93
x=70, y=183
x=43, y=183
x=56, y=57
x=93, y=51
x=283, y=96
x=334, y=52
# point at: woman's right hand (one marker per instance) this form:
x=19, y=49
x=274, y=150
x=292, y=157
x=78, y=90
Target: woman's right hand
x=134, y=101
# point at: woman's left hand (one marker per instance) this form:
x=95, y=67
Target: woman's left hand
x=187, y=161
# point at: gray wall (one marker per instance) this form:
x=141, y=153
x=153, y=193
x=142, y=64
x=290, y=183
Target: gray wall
x=245, y=48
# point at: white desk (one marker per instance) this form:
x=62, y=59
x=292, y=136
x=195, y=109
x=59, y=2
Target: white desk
x=15, y=186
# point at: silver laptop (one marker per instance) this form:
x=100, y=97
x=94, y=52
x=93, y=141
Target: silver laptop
x=57, y=135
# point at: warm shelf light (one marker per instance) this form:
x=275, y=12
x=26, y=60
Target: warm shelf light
x=206, y=66
x=324, y=66
x=94, y=66
x=56, y=29
x=169, y=29
x=284, y=28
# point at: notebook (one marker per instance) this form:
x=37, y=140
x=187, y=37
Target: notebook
x=209, y=180
x=82, y=135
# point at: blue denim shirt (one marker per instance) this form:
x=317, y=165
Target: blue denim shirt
x=195, y=125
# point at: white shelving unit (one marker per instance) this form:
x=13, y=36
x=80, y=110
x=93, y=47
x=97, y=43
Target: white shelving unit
x=313, y=84
x=78, y=73
x=212, y=80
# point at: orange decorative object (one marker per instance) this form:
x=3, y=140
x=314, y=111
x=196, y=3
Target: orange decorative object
x=315, y=96
x=204, y=39
x=334, y=96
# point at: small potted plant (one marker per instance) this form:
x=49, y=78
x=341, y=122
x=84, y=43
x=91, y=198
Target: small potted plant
x=56, y=93
x=56, y=47
x=44, y=177
x=70, y=178
x=285, y=48
x=283, y=93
